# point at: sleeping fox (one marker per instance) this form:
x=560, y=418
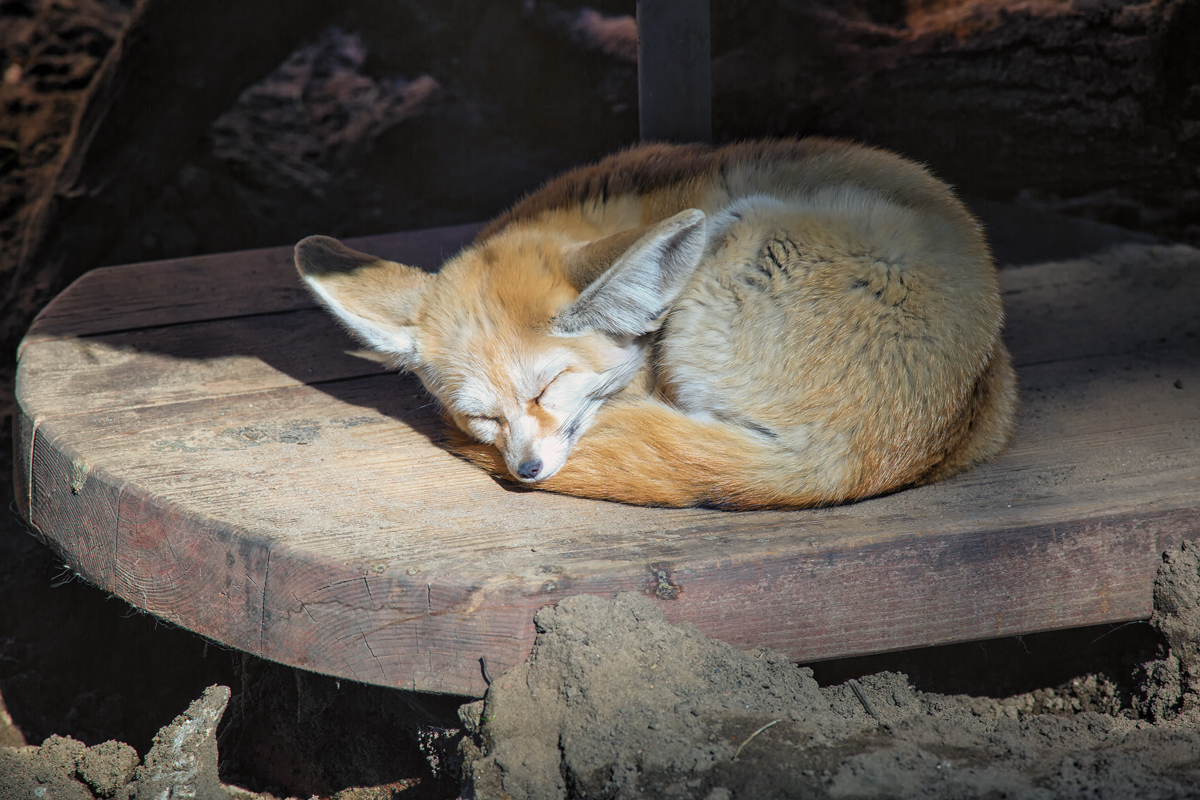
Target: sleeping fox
x=772, y=324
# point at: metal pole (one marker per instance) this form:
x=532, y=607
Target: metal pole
x=674, y=71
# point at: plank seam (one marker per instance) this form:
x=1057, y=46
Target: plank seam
x=33, y=438
x=198, y=399
x=1165, y=349
x=262, y=620
x=54, y=337
x=116, y=551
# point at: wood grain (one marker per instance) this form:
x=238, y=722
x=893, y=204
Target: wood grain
x=242, y=475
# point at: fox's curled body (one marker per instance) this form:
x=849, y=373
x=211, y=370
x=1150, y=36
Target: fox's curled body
x=773, y=324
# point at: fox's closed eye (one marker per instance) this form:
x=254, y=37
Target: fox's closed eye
x=546, y=388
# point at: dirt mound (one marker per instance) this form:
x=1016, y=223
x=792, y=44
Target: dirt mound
x=616, y=702
x=182, y=763
x=1170, y=686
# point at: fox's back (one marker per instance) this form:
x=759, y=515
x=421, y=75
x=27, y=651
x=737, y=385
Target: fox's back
x=651, y=182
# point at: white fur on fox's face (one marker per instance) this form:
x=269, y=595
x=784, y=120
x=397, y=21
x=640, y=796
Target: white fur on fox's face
x=535, y=411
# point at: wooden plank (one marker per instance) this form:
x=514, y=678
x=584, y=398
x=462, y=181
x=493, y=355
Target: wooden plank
x=215, y=286
x=362, y=455
x=342, y=487
x=674, y=71
x=1132, y=299
x=155, y=366
x=198, y=471
x=251, y=353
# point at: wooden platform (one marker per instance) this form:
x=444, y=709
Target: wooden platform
x=195, y=437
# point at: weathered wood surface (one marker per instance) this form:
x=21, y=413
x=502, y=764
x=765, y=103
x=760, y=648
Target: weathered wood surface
x=196, y=438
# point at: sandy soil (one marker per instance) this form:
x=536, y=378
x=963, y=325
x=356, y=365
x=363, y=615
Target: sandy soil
x=99, y=701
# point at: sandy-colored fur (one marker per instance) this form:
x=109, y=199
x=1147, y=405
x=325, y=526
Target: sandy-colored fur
x=829, y=328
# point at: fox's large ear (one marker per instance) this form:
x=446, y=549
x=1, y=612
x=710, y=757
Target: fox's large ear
x=376, y=299
x=631, y=279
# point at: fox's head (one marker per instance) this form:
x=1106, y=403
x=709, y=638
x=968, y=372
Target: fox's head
x=523, y=336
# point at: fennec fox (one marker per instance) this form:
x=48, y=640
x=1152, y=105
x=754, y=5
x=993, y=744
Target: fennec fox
x=774, y=324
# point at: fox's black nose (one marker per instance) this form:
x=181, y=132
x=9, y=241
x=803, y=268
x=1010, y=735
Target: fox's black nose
x=530, y=469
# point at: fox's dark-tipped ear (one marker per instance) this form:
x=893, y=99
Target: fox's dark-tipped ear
x=629, y=280
x=324, y=255
x=376, y=300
